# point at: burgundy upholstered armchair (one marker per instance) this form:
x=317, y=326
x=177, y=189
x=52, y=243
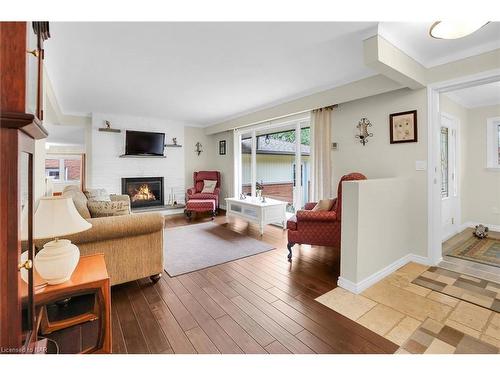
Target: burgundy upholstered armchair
x=321, y=228
x=195, y=191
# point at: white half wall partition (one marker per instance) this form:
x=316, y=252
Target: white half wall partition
x=378, y=222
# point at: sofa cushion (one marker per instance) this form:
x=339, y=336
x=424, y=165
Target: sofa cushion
x=113, y=227
x=108, y=208
x=292, y=223
x=323, y=205
x=119, y=197
x=79, y=199
x=97, y=195
x=209, y=186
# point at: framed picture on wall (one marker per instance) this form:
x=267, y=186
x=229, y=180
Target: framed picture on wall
x=403, y=127
x=222, y=147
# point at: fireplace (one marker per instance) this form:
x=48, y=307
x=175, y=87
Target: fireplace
x=143, y=191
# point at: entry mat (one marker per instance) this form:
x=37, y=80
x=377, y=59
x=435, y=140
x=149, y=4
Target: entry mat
x=478, y=291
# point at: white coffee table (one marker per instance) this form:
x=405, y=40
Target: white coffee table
x=253, y=210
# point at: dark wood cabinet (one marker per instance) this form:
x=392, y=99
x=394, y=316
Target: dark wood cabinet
x=21, y=113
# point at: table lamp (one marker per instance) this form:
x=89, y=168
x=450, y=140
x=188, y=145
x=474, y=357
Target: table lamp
x=56, y=217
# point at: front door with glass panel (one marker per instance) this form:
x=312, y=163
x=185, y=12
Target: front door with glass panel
x=449, y=184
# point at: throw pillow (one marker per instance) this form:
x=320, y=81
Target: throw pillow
x=108, y=208
x=79, y=199
x=209, y=186
x=323, y=205
x=97, y=195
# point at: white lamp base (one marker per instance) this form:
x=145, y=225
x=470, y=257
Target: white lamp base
x=56, y=261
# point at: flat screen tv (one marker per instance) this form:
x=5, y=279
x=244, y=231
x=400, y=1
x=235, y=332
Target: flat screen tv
x=144, y=143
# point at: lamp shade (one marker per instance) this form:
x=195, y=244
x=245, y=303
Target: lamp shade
x=57, y=217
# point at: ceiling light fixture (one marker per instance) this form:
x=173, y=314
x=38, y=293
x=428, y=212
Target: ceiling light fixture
x=454, y=29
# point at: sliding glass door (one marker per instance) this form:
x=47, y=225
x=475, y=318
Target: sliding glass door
x=274, y=162
x=305, y=155
x=246, y=164
x=275, y=165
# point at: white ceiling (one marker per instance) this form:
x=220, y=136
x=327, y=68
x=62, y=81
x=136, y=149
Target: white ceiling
x=198, y=73
x=204, y=73
x=413, y=38
x=478, y=96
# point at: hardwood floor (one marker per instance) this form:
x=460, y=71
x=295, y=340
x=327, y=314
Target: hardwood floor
x=259, y=304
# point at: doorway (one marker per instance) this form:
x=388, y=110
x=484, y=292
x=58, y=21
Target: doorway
x=459, y=179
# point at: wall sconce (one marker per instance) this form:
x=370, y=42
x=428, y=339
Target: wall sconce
x=199, y=148
x=362, y=127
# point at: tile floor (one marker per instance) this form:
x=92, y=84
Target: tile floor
x=437, y=338
x=395, y=308
x=475, y=290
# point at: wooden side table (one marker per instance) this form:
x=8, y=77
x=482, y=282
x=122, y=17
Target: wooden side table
x=89, y=303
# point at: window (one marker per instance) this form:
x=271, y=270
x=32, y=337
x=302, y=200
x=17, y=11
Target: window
x=493, y=143
x=64, y=168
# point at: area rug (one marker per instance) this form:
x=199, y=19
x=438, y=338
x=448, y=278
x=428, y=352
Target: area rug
x=480, y=292
x=193, y=247
x=486, y=250
x=433, y=337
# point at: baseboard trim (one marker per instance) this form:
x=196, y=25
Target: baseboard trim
x=460, y=229
x=357, y=288
x=348, y=285
x=421, y=260
x=472, y=224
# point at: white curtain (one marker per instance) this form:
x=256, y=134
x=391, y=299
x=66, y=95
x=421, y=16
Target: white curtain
x=321, y=123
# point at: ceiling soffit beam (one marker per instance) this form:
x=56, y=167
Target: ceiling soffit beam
x=390, y=61
x=488, y=61
x=363, y=88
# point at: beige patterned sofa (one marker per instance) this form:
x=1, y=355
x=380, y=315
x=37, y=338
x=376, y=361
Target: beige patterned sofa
x=132, y=244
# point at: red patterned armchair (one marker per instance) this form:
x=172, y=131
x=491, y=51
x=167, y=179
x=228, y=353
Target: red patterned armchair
x=321, y=228
x=195, y=191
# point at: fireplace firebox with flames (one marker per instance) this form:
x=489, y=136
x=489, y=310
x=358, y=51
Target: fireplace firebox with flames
x=143, y=191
